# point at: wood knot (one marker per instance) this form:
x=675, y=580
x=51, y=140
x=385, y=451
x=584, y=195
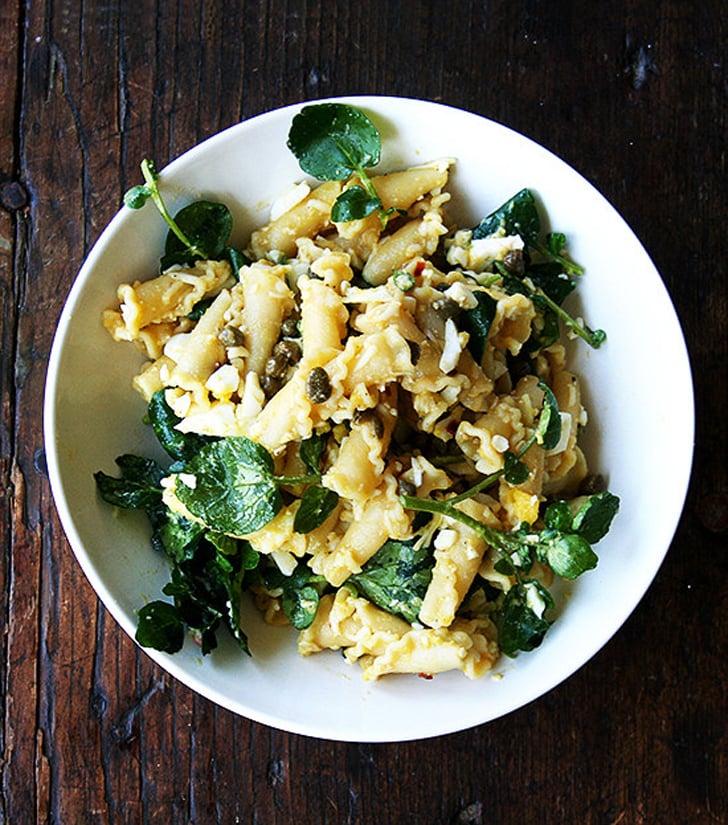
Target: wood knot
x=13, y=196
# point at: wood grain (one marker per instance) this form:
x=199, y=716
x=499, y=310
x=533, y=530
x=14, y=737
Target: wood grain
x=631, y=93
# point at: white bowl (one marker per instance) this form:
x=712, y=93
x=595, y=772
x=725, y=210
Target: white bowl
x=638, y=391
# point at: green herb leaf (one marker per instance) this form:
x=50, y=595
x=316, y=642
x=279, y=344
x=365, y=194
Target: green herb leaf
x=139, y=486
x=569, y=555
x=160, y=627
x=333, y=140
x=514, y=470
x=206, y=227
x=354, y=204
x=299, y=597
x=177, y=535
x=396, y=578
x=548, y=430
x=137, y=196
x=519, y=626
x=312, y=450
x=557, y=516
x=317, y=504
x=517, y=216
x=556, y=241
x=181, y=446
x=551, y=279
x=594, y=517
x=234, y=491
x=237, y=260
x=477, y=322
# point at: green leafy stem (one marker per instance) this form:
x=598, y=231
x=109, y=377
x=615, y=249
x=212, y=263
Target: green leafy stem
x=138, y=195
x=334, y=141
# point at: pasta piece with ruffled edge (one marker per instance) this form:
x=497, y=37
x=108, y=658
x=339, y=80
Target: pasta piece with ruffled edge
x=469, y=645
x=304, y=220
x=416, y=238
x=344, y=620
x=166, y=298
x=359, y=466
x=198, y=353
x=377, y=519
x=458, y=555
x=267, y=300
x=323, y=322
x=358, y=374
x=565, y=466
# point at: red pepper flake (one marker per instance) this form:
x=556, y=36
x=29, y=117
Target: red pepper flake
x=427, y=676
x=419, y=268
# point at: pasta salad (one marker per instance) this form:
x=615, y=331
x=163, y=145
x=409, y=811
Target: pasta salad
x=371, y=423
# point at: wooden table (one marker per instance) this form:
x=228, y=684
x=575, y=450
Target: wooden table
x=631, y=93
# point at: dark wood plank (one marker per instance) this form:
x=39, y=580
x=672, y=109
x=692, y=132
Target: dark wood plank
x=634, y=96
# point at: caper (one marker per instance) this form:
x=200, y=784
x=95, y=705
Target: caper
x=231, y=336
x=270, y=384
x=446, y=307
x=290, y=350
x=289, y=328
x=318, y=386
x=514, y=262
x=276, y=365
x=406, y=488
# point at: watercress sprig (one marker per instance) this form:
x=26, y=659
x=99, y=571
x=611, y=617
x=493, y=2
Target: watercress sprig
x=547, y=433
x=137, y=196
x=199, y=231
x=334, y=141
x=594, y=337
x=231, y=486
x=563, y=544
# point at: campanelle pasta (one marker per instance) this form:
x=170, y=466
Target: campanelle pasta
x=367, y=313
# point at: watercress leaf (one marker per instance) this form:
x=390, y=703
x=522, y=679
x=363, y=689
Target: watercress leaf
x=207, y=227
x=200, y=308
x=333, y=140
x=160, y=627
x=317, y=504
x=233, y=491
x=311, y=451
x=300, y=606
x=551, y=278
x=237, y=260
x=557, y=516
x=517, y=216
x=477, y=322
x=556, y=241
x=396, y=578
x=569, y=555
x=354, y=204
x=504, y=566
x=548, y=430
x=137, y=196
x=299, y=595
x=515, y=471
x=180, y=446
x=139, y=486
x=178, y=535
x=594, y=518
x=519, y=626
x=227, y=545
